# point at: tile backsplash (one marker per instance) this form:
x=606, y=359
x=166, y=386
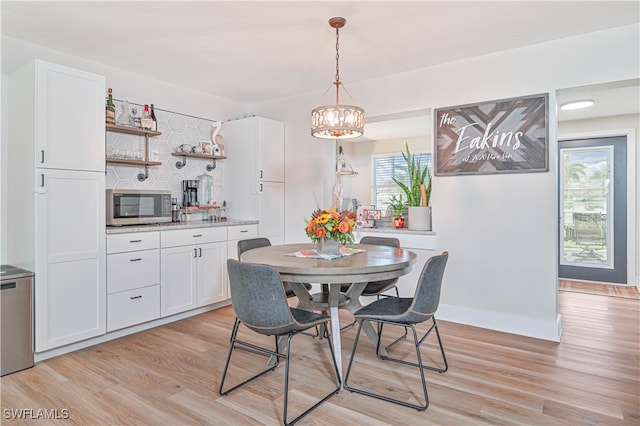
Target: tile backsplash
x=176, y=129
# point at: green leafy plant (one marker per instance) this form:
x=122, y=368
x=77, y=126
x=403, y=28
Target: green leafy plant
x=417, y=175
x=397, y=205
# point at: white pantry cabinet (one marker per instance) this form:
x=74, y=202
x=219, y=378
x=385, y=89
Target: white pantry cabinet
x=69, y=118
x=193, y=268
x=56, y=202
x=254, y=173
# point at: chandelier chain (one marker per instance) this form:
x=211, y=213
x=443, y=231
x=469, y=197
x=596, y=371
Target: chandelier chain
x=337, y=54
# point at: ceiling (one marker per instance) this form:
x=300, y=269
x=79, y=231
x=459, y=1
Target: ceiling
x=254, y=52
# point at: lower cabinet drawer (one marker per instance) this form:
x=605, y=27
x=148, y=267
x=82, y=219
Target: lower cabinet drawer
x=134, y=269
x=242, y=232
x=133, y=307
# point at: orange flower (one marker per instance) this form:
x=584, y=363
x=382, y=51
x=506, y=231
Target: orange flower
x=344, y=227
x=321, y=232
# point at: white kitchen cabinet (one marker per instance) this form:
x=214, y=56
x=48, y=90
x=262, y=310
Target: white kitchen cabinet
x=69, y=118
x=254, y=173
x=133, y=279
x=237, y=233
x=69, y=258
x=193, y=268
x=55, y=202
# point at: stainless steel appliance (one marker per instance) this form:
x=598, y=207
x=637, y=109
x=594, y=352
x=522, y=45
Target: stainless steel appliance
x=190, y=192
x=16, y=319
x=138, y=206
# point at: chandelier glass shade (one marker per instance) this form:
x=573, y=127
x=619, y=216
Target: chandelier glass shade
x=337, y=121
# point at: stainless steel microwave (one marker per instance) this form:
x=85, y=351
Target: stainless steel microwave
x=138, y=206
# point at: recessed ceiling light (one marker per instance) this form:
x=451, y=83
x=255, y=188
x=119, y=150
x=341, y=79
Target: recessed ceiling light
x=585, y=103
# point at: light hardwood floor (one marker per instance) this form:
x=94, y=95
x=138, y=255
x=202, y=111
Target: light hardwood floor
x=169, y=376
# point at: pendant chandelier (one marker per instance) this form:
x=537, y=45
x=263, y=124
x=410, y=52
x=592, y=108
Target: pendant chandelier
x=337, y=121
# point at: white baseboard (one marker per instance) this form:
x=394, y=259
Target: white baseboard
x=515, y=324
x=41, y=356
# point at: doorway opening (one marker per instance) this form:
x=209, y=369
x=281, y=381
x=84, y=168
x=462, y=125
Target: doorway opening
x=593, y=209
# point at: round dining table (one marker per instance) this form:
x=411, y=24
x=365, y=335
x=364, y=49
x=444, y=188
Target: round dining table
x=373, y=263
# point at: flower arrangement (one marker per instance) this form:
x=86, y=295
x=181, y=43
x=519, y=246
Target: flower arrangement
x=330, y=223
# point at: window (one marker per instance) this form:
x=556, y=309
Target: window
x=386, y=166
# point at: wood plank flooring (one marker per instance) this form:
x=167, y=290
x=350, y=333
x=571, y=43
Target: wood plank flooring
x=170, y=375
x=628, y=291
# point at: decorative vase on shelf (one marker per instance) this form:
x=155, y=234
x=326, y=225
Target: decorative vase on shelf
x=398, y=222
x=328, y=246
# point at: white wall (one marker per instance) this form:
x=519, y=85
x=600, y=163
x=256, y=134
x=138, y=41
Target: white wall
x=500, y=230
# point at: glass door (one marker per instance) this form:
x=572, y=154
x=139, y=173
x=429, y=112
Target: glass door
x=593, y=240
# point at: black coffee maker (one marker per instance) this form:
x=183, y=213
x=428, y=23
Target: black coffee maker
x=190, y=192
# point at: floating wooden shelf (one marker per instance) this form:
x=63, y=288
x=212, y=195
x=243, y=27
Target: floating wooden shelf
x=191, y=208
x=127, y=162
x=131, y=130
x=204, y=156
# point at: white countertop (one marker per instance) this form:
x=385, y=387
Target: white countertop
x=391, y=230
x=175, y=225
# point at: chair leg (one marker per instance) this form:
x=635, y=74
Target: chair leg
x=251, y=348
x=419, y=364
x=286, y=382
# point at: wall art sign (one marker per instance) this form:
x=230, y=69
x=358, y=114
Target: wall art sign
x=501, y=136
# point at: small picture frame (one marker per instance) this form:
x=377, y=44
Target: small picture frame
x=206, y=147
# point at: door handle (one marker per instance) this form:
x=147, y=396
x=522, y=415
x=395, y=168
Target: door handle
x=135, y=260
x=195, y=252
x=42, y=156
x=200, y=252
x=8, y=286
x=135, y=297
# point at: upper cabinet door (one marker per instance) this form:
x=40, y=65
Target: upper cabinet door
x=270, y=150
x=69, y=118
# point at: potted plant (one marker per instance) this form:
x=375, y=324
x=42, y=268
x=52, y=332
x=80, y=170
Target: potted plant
x=397, y=204
x=418, y=191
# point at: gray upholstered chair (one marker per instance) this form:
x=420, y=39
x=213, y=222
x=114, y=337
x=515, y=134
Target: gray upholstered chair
x=406, y=312
x=376, y=288
x=251, y=243
x=260, y=304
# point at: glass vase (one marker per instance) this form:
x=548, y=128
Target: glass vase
x=328, y=246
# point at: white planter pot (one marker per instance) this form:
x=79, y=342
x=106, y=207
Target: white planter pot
x=420, y=218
